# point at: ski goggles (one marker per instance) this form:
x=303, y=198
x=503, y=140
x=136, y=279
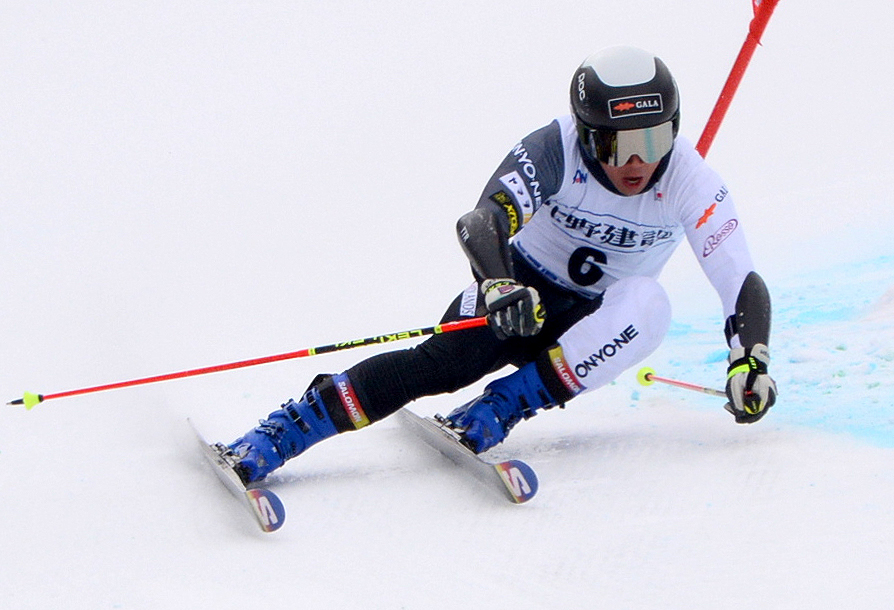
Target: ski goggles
x=616, y=147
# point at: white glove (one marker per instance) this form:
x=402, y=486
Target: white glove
x=514, y=310
x=751, y=391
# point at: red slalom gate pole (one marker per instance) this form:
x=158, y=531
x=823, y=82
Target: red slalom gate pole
x=29, y=400
x=763, y=9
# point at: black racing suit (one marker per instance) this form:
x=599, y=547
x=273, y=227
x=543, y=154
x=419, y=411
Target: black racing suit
x=451, y=361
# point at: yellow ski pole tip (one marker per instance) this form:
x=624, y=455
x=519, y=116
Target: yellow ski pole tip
x=31, y=400
x=644, y=376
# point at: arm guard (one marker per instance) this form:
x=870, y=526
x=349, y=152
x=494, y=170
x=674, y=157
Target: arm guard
x=485, y=241
x=751, y=322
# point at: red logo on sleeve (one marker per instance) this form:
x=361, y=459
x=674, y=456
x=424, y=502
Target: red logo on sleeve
x=708, y=213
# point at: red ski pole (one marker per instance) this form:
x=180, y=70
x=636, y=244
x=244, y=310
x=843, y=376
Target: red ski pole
x=30, y=400
x=763, y=9
x=647, y=376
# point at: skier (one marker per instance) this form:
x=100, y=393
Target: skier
x=565, y=244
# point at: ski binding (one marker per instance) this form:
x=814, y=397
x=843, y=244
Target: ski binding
x=515, y=478
x=264, y=506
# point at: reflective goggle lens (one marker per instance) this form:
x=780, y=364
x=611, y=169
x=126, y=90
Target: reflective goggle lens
x=616, y=147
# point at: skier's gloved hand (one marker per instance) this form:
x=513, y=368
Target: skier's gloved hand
x=751, y=391
x=514, y=310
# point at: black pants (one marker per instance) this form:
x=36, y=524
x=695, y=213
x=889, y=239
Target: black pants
x=451, y=361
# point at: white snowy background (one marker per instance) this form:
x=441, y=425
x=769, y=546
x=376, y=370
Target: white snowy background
x=191, y=183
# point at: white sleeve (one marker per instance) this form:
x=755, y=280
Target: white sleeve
x=716, y=236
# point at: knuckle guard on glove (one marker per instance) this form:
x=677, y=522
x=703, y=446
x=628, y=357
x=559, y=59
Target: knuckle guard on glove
x=515, y=310
x=751, y=391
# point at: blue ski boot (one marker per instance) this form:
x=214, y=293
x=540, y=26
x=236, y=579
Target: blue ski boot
x=487, y=420
x=285, y=434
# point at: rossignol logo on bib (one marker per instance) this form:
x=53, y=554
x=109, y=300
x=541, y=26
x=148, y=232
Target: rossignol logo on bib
x=633, y=105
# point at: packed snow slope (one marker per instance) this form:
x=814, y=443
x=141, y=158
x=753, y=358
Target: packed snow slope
x=187, y=184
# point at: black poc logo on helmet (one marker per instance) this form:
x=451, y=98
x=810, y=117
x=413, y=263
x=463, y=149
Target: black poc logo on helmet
x=633, y=105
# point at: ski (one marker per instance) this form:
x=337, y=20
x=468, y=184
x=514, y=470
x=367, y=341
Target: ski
x=264, y=506
x=513, y=477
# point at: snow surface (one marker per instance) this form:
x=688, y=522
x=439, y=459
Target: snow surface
x=190, y=183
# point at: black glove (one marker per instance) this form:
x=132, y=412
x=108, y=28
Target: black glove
x=751, y=391
x=514, y=310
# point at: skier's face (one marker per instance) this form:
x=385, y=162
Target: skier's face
x=632, y=177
